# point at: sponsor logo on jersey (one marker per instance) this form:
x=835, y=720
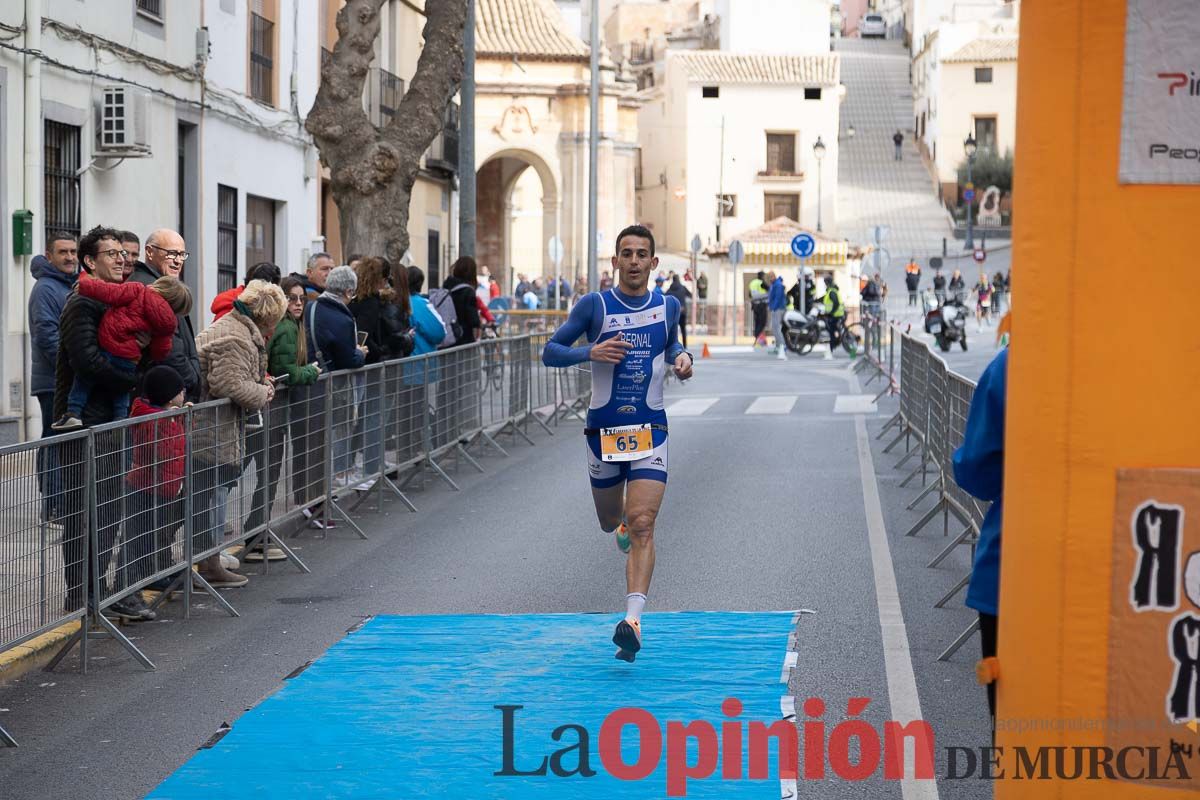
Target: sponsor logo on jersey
x=657, y=462
x=627, y=410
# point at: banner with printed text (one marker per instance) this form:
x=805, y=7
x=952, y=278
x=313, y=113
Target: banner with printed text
x=1154, y=634
x=1160, y=113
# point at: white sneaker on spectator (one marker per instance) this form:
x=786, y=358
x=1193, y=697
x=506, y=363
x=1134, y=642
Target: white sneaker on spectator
x=365, y=486
x=229, y=561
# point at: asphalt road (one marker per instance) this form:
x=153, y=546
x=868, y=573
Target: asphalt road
x=763, y=512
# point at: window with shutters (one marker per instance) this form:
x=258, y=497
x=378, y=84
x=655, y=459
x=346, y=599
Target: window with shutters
x=781, y=154
x=781, y=205
x=61, y=173
x=227, y=237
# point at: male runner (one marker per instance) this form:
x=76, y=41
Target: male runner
x=631, y=335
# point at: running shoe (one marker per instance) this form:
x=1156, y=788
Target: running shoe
x=622, y=533
x=628, y=638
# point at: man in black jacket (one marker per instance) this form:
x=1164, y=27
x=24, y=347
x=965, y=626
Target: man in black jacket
x=165, y=255
x=79, y=352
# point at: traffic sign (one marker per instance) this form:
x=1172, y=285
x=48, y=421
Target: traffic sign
x=980, y=256
x=736, y=252
x=696, y=243
x=555, y=251
x=969, y=195
x=935, y=262
x=803, y=245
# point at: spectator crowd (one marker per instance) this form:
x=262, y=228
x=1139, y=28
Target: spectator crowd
x=113, y=337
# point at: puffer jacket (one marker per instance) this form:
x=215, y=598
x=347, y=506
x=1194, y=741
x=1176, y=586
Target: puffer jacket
x=132, y=308
x=282, y=359
x=159, y=451
x=233, y=365
x=332, y=334
x=79, y=351
x=46, y=302
x=183, y=358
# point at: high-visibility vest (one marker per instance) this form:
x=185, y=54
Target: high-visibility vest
x=758, y=291
x=912, y=268
x=833, y=302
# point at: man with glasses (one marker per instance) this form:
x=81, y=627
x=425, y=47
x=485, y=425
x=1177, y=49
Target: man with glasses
x=165, y=255
x=79, y=352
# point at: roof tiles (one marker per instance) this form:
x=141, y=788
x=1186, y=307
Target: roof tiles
x=528, y=28
x=714, y=66
x=986, y=50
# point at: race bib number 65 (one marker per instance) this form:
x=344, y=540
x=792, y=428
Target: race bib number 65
x=627, y=443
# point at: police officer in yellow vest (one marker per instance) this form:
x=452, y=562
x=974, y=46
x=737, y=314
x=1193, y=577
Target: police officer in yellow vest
x=758, y=306
x=835, y=312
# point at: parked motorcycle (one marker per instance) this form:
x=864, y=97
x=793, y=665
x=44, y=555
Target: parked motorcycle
x=947, y=323
x=803, y=332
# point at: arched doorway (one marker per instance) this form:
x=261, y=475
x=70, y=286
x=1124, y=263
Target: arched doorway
x=517, y=211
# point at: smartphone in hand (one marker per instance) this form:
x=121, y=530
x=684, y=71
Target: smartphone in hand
x=362, y=338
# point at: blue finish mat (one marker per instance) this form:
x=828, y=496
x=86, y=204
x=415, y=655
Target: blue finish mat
x=405, y=707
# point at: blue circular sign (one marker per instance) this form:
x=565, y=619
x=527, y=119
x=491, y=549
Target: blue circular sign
x=969, y=195
x=803, y=245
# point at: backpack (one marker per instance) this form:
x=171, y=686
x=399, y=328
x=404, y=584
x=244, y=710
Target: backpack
x=443, y=305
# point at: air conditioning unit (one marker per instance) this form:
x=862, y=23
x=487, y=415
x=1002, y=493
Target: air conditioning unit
x=122, y=122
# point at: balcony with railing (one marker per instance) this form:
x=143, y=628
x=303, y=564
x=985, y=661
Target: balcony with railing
x=641, y=53
x=384, y=93
x=442, y=155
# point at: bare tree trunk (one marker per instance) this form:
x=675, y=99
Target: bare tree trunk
x=372, y=170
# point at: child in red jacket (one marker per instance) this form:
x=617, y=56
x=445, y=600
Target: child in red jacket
x=154, y=480
x=135, y=312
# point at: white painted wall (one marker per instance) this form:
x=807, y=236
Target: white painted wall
x=266, y=154
x=962, y=100
x=774, y=26
x=137, y=194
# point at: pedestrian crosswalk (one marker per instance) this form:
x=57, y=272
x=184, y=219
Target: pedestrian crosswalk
x=772, y=405
x=737, y=405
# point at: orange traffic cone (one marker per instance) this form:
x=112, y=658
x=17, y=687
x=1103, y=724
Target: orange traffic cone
x=704, y=353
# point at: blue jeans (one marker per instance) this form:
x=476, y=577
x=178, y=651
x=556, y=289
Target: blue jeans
x=81, y=389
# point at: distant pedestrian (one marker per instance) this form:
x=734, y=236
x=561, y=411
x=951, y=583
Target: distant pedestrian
x=606, y=280
x=997, y=292
x=958, y=287
x=758, y=307
x=776, y=306
x=939, y=287
x=684, y=296
x=912, y=280
x=897, y=139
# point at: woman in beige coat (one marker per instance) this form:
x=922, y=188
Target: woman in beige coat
x=233, y=366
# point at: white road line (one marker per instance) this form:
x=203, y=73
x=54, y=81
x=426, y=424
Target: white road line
x=691, y=406
x=897, y=660
x=772, y=405
x=854, y=404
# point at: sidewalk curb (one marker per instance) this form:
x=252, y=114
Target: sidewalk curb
x=34, y=654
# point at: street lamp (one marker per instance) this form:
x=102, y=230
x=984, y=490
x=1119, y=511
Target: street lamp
x=819, y=154
x=969, y=147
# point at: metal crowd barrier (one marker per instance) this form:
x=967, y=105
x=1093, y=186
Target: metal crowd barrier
x=934, y=403
x=93, y=516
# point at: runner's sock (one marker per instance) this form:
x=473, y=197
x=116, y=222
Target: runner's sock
x=635, y=603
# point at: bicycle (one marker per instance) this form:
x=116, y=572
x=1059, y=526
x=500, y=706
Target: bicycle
x=492, y=352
